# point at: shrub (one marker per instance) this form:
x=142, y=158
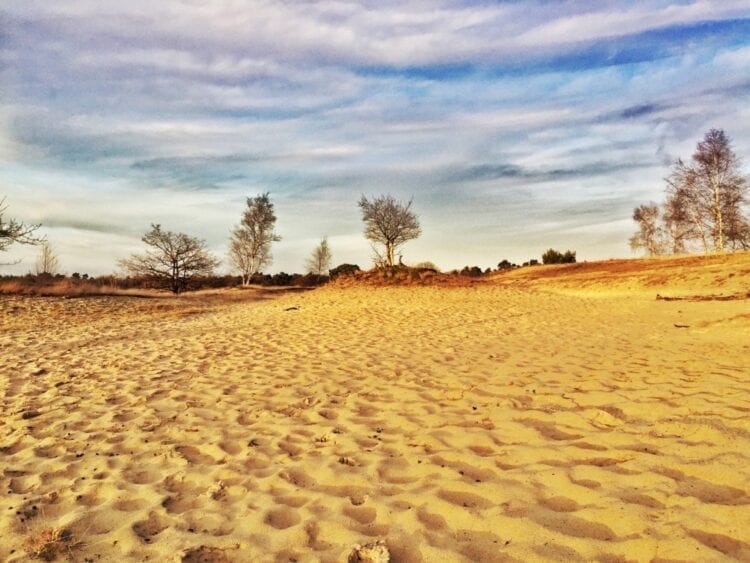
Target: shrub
x=343, y=270
x=554, y=257
x=473, y=272
x=506, y=265
x=427, y=265
x=311, y=280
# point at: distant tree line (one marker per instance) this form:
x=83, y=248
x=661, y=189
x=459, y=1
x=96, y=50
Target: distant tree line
x=178, y=262
x=704, y=206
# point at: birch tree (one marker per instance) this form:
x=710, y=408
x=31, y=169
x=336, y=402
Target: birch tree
x=722, y=188
x=649, y=235
x=47, y=262
x=250, y=244
x=320, y=260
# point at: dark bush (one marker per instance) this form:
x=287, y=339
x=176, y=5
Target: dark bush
x=343, y=270
x=554, y=257
x=473, y=272
x=311, y=280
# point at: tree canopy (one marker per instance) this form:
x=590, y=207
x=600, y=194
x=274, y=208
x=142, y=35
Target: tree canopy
x=173, y=259
x=390, y=223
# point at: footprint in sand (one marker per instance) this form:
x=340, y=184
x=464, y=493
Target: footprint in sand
x=282, y=518
x=150, y=527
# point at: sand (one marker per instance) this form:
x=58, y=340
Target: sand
x=497, y=422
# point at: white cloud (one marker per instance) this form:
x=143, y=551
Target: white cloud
x=173, y=112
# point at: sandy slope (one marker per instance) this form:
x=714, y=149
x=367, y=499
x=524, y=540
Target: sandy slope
x=473, y=424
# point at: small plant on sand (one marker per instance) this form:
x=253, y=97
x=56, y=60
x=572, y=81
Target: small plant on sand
x=49, y=543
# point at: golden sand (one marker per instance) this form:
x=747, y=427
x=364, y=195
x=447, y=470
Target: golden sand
x=501, y=422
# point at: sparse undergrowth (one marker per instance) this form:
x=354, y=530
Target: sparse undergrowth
x=50, y=543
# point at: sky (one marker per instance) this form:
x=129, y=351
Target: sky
x=512, y=126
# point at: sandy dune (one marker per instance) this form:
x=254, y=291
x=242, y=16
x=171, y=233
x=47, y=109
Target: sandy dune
x=489, y=423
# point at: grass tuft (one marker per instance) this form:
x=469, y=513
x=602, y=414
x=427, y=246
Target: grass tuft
x=49, y=543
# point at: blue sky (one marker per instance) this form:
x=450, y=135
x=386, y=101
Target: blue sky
x=514, y=126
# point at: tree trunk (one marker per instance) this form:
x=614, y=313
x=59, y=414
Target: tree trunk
x=718, y=215
x=389, y=253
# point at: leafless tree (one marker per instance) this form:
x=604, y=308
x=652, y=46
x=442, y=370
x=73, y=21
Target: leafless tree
x=320, y=260
x=390, y=223
x=47, y=263
x=250, y=244
x=678, y=228
x=736, y=224
x=173, y=259
x=15, y=231
x=737, y=230
x=721, y=187
x=689, y=203
x=649, y=235
x=705, y=198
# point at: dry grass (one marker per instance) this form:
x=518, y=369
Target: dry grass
x=68, y=288
x=50, y=543
x=720, y=274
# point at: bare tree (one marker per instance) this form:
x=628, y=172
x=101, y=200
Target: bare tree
x=677, y=226
x=649, y=235
x=320, y=260
x=737, y=230
x=719, y=183
x=736, y=225
x=685, y=197
x=47, y=263
x=705, y=198
x=15, y=231
x=390, y=223
x=250, y=244
x=173, y=259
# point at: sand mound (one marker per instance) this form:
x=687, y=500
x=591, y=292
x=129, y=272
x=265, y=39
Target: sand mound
x=693, y=275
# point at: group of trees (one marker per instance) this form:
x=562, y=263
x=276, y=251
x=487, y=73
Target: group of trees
x=176, y=258
x=704, y=205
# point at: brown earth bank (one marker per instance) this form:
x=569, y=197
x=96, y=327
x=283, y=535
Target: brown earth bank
x=552, y=413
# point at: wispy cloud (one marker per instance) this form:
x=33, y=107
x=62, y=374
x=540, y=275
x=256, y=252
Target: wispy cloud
x=493, y=116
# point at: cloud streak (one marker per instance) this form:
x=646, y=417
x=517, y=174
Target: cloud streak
x=487, y=113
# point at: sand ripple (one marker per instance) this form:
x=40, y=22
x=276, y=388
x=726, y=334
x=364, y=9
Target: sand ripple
x=474, y=424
